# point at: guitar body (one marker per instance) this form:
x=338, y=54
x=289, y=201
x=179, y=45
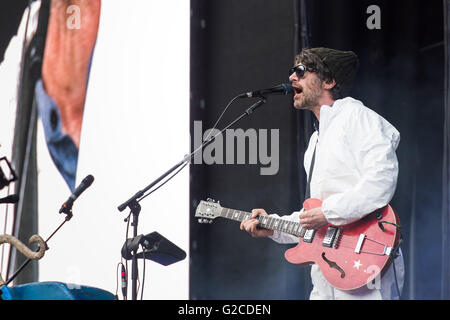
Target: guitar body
x=341, y=266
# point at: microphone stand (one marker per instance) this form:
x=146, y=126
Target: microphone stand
x=133, y=202
x=69, y=216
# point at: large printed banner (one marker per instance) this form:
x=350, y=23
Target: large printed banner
x=113, y=102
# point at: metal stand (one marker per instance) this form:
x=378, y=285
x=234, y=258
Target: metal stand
x=69, y=216
x=133, y=202
x=135, y=210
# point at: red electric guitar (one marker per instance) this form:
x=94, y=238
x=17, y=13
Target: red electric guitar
x=349, y=256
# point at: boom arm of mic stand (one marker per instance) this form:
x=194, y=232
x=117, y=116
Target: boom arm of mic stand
x=131, y=202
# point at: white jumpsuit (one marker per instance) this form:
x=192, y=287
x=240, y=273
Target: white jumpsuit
x=355, y=173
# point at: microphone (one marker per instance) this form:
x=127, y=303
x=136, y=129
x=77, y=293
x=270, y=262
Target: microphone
x=284, y=88
x=13, y=198
x=67, y=206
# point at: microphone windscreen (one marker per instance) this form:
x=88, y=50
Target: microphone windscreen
x=288, y=89
x=88, y=180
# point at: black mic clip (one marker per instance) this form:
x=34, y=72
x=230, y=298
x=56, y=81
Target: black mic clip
x=67, y=210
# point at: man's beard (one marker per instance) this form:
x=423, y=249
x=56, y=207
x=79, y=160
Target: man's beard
x=310, y=97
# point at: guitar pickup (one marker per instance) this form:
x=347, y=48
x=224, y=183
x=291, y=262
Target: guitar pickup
x=331, y=237
x=309, y=235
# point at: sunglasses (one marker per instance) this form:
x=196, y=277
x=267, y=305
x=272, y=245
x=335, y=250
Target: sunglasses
x=300, y=70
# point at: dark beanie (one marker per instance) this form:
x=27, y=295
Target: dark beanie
x=342, y=64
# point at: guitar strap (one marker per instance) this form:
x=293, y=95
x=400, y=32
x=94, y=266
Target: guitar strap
x=311, y=167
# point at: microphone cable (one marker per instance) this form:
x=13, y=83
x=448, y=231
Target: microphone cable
x=143, y=271
x=221, y=115
x=117, y=281
x=210, y=132
x=163, y=183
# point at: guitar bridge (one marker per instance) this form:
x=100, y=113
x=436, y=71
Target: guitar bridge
x=362, y=237
x=332, y=236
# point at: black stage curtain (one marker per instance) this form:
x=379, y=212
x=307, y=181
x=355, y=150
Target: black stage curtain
x=402, y=78
x=446, y=162
x=238, y=46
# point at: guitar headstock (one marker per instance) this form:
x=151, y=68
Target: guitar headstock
x=207, y=211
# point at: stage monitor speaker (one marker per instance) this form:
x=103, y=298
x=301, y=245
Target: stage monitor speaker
x=155, y=248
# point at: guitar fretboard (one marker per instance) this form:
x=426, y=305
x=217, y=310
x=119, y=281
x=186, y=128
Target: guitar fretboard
x=266, y=222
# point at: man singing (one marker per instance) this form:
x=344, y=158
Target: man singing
x=355, y=167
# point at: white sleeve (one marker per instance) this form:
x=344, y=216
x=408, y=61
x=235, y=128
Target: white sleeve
x=372, y=141
x=282, y=237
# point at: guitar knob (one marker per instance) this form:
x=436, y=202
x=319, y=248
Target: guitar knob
x=200, y=220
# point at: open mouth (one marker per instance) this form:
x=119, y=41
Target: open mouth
x=297, y=91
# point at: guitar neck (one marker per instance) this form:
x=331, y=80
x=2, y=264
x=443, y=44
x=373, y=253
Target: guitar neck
x=266, y=222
